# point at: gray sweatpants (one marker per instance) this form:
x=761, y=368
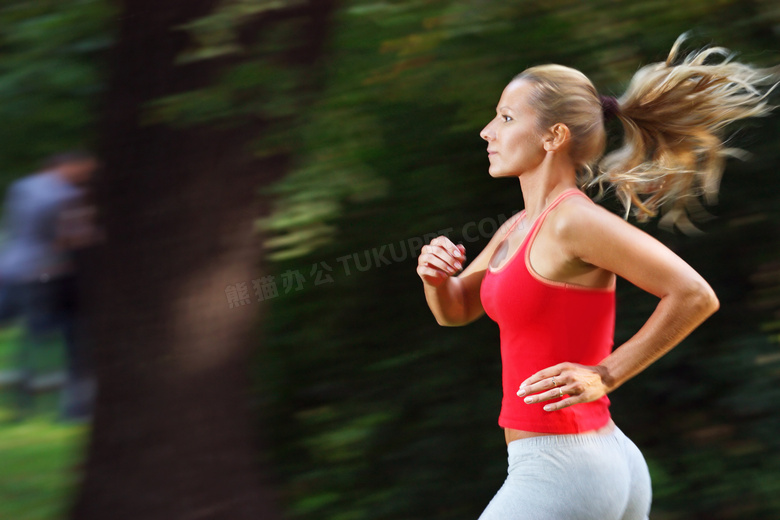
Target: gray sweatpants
x=587, y=476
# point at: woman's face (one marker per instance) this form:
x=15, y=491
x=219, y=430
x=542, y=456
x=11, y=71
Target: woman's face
x=515, y=144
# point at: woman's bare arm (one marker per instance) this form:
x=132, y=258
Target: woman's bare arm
x=454, y=300
x=598, y=237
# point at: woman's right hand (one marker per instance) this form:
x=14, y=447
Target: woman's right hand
x=439, y=260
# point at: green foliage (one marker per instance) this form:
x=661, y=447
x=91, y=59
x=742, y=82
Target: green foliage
x=216, y=35
x=378, y=412
x=262, y=85
x=51, y=77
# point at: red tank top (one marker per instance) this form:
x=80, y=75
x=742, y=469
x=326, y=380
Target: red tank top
x=544, y=322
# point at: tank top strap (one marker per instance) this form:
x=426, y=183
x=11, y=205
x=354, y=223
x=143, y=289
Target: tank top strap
x=565, y=193
x=518, y=219
x=562, y=195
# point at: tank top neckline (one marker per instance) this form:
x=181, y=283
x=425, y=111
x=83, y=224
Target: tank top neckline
x=539, y=219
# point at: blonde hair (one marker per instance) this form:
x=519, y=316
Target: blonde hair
x=566, y=95
x=673, y=116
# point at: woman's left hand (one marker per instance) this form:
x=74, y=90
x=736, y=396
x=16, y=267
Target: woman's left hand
x=579, y=383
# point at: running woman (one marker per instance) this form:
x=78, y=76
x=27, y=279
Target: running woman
x=547, y=276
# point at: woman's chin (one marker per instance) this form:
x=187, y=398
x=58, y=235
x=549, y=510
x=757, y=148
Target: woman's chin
x=498, y=174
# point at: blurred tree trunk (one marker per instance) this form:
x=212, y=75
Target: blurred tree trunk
x=173, y=433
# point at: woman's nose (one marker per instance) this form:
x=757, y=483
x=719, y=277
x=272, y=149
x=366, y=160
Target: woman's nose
x=486, y=133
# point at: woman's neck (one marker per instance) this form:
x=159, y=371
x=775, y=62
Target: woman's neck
x=541, y=185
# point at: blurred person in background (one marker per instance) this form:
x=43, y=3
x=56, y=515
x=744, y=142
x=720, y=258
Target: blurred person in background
x=47, y=219
x=548, y=275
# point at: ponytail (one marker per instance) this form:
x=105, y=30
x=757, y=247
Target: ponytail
x=674, y=117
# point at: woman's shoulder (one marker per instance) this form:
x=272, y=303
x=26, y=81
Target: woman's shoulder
x=579, y=216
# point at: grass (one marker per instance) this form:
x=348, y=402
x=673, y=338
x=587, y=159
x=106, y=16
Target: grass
x=39, y=456
x=47, y=356
x=8, y=340
x=38, y=471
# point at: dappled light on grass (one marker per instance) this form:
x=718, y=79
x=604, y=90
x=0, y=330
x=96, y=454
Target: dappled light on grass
x=40, y=466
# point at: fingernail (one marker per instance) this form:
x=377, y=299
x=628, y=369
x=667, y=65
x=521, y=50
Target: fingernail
x=521, y=392
x=547, y=408
x=529, y=399
x=458, y=265
x=456, y=253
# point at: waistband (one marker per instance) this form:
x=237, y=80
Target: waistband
x=567, y=439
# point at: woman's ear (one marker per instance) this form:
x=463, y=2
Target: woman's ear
x=557, y=136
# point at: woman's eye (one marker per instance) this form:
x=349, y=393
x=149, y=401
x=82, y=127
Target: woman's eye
x=506, y=118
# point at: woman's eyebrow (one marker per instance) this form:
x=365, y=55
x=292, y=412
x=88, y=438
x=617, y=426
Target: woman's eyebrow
x=504, y=107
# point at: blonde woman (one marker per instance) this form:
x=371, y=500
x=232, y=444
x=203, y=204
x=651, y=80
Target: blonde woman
x=548, y=275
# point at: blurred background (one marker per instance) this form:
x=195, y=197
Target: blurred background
x=245, y=239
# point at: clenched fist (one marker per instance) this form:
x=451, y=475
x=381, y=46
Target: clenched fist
x=439, y=260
